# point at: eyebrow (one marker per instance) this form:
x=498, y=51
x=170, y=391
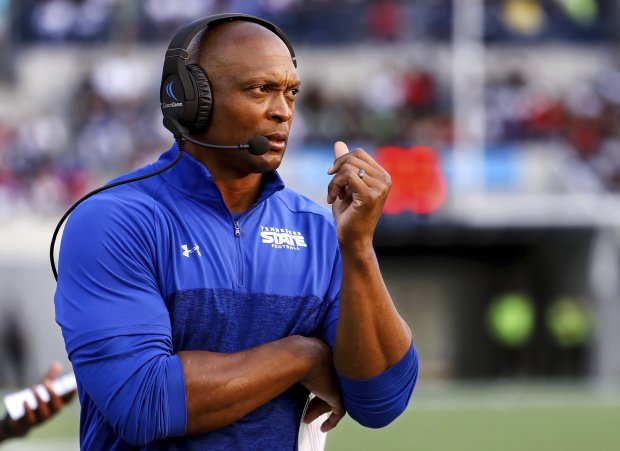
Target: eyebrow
x=269, y=80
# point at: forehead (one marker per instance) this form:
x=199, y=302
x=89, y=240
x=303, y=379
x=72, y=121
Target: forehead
x=240, y=48
x=263, y=71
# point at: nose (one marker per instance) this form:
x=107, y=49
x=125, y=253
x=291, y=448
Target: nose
x=281, y=109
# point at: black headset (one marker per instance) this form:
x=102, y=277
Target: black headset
x=185, y=93
x=186, y=101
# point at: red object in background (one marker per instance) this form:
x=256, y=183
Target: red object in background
x=547, y=116
x=585, y=136
x=418, y=184
x=419, y=89
x=384, y=19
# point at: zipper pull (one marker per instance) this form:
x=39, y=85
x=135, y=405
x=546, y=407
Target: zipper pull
x=237, y=228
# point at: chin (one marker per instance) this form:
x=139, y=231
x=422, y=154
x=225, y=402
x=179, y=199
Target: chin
x=268, y=162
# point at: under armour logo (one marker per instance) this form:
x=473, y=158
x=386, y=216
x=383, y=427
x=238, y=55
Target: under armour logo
x=187, y=250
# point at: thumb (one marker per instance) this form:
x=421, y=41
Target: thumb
x=340, y=149
x=53, y=372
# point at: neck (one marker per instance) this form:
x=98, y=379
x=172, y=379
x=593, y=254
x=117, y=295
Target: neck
x=239, y=189
x=239, y=194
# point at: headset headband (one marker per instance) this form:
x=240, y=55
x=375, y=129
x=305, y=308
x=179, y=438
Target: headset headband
x=177, y=54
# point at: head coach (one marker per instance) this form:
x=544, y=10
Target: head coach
x=201, y=300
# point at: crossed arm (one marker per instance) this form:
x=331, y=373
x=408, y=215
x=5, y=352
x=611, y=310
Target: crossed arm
x=370, y=338
x=240, y=382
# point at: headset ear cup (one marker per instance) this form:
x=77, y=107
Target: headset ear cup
x=205, y=99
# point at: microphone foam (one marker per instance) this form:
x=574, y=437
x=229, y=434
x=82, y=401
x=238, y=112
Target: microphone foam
x=259, y=145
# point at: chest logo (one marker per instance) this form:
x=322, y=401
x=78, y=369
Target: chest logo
x=280, y=238
x=187, y=250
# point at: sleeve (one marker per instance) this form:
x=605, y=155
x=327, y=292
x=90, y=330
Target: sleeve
x=114, y=320
x=375, y=402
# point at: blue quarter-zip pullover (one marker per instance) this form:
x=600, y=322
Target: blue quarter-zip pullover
x=158, y=266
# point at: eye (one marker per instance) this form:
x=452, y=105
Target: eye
x=292, y=93
x=260, y=89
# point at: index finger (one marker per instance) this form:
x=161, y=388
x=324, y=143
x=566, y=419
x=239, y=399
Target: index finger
x=332, y=420
x=55, y=402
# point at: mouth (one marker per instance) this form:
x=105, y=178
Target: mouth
x=277, y=141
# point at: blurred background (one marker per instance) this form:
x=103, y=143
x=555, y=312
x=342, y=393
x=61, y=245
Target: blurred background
x=499, y=123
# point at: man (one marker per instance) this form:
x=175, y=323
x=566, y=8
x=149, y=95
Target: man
x=201, y=305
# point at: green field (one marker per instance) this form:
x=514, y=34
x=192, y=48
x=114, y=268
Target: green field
x=495, y=418
x=480, y=417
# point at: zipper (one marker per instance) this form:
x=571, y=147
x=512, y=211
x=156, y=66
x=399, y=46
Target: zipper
x=237, y=237
x=237, y=231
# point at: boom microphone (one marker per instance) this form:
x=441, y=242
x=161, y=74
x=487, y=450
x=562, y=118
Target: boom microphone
x=258, y=145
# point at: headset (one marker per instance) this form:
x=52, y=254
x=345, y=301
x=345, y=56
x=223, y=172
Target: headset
x=187, y=101
x=185, y=93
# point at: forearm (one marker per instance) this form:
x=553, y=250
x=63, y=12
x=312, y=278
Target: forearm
x=154, y=394
x=373, y=350
x=221, y=388
x=371, y=336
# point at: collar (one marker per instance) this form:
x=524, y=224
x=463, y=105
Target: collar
x=192, y=178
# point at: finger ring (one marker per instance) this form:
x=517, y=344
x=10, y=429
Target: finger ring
x=361, y=173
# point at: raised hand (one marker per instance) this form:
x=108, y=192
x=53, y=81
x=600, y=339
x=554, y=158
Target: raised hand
x=357, y=193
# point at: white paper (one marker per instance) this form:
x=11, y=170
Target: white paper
x=14, y=402
x=310, y=437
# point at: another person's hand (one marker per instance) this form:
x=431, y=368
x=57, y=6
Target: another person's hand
x=322, y=382
x=18, y=428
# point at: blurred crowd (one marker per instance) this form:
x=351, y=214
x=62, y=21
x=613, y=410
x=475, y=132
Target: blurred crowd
x=310, y=21
x=114, y=121
x=52, y=159
x=585, y=119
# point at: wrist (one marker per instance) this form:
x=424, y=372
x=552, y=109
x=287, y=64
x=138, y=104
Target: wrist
x=357, y=249
x=301, y=348
x=314, y=354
